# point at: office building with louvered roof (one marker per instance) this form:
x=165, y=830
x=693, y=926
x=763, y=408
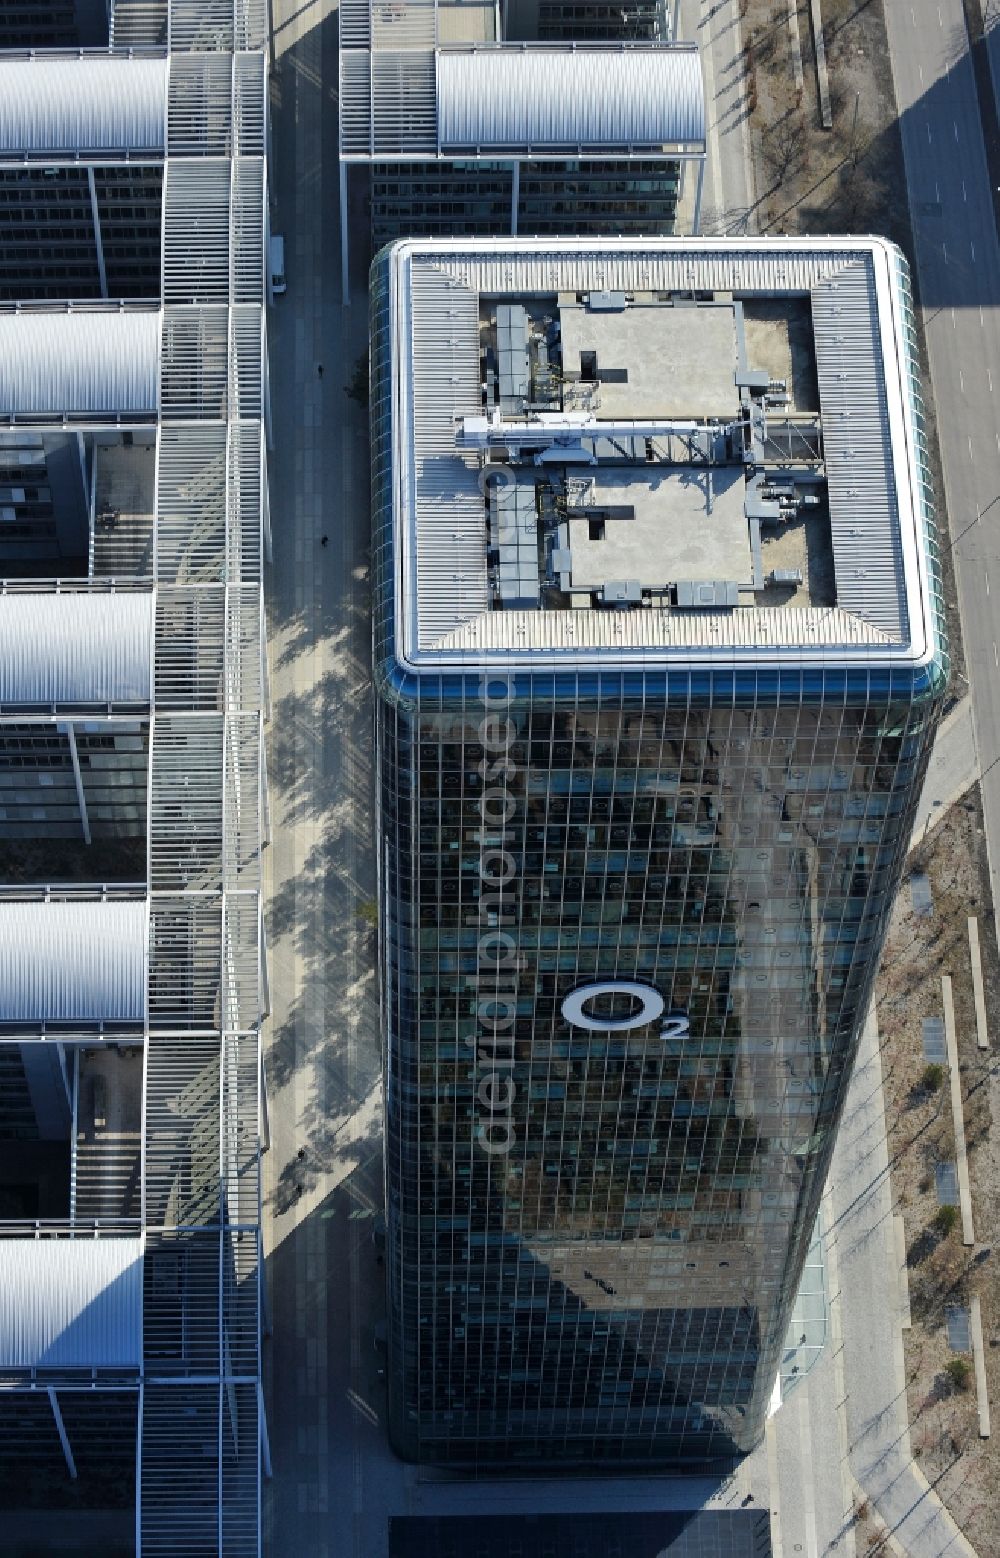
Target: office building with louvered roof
x=532, y=117
x=659, y=657
x=133, y=529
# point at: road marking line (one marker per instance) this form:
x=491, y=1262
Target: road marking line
x=928, y=130
x=973, y=248
x=989, y=380
x=363, y=1407
x=996, y=660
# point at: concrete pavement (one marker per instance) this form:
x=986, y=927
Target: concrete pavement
x=800, y=1472
x=953, y=769
x=728, y=196
x=863, y=1270
x=322, y=1050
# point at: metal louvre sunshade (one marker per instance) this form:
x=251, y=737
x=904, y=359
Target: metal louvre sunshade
x=71, y=1304
x=89, y=362
x=555, y=98
x=81, y=105
x=75, y=649
x=857, y=446
x=73, y=962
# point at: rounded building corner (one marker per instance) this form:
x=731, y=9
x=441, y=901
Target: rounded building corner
x=932, y=676
x=888, y=247
x=394, y=681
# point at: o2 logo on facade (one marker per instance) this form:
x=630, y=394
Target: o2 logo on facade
x=496, y=1092
x=651, y=1006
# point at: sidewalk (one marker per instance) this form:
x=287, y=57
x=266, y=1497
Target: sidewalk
x=874, y=1372
x=953, y=769
x=728, y=195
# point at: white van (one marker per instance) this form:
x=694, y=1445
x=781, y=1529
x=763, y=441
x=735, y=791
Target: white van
x=277, y=262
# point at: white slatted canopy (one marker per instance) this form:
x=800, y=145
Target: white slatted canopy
x=88, y=362
x=73, y=962
x=75, y=648
x=71, y=1304
x=554, y=99
x=75, y=106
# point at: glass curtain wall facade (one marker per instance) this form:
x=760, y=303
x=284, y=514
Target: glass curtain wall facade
x=451, y=199
x=50, y=246
x=53, y=24
x=587, y=20
x=595, y=1237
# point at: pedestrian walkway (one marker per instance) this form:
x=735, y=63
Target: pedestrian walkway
x=874, y=1370
x=953, y=769
x=728, y=195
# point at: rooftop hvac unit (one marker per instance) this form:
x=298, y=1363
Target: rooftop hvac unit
x=707, y=594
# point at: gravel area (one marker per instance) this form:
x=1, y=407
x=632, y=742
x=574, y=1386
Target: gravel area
x=943, y=1273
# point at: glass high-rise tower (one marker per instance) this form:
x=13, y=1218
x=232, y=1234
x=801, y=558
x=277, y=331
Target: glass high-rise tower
x=659, y=657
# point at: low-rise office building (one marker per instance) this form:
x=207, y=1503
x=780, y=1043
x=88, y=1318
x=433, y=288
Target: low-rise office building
x=478, y=119
x=133, y=530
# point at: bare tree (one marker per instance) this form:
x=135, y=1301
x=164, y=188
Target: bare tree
x=786, y=148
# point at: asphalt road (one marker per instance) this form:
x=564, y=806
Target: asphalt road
x=958, y=268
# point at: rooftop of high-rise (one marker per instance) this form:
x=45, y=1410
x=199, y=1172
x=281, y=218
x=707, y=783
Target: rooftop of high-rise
x=684, y=447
